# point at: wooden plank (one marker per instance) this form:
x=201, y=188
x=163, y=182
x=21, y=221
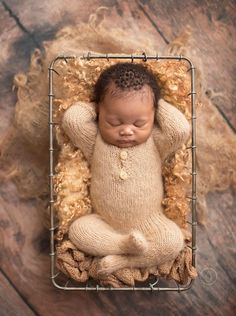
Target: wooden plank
x=50, y=16
x=213, y=43
x=25, y=259
x=11, y=302
x=9, y=34
x=12, y=60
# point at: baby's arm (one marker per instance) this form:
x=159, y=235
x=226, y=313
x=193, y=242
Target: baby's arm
x=79, y=123
x=173, y=129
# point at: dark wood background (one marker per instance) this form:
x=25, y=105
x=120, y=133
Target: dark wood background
x=25, y=288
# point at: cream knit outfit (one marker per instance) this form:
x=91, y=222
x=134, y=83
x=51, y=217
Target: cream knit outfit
x=128, y=227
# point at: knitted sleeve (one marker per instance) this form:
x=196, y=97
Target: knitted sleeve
x=172, y=129
x=79, y=123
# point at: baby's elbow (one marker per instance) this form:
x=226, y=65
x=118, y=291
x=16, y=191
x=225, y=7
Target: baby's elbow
x=64, y=121
x=186, y=131
x=182, y=136
x=70, y=126
x=70, y=121
x=67, y=119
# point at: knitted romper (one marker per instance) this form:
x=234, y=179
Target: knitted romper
x=127, y=227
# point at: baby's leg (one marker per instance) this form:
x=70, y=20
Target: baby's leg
x=164, y=247
x=94, y=236
x=112, y=263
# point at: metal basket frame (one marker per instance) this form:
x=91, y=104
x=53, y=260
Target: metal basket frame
x=51, y=72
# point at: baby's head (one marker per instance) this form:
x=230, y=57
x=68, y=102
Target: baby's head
x=126, y=95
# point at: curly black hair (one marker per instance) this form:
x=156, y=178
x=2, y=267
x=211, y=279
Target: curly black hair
x=127, y=77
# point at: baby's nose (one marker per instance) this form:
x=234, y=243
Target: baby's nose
x=126, y=131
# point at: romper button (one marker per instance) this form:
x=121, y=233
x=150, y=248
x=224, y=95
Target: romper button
x=123, y=175
x=123, y=155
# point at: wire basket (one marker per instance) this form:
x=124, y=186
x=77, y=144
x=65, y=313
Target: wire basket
x=61, y=281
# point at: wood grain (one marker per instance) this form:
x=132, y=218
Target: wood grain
x=24, y=242
x=9, y=34
x=213, y=42
x=11, y=302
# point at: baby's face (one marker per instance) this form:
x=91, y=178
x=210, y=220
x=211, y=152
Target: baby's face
x=126, y=119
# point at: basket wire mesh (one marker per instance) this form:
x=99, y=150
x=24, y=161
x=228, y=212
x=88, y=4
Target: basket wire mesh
x=56, y=276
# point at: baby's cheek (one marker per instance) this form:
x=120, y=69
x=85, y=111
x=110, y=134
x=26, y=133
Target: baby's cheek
x=110, y=133
x=144, y=134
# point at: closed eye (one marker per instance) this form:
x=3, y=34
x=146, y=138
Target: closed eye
x=139, y=124
x=114, y=124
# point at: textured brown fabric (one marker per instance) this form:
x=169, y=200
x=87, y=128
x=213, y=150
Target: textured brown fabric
x=80, y=267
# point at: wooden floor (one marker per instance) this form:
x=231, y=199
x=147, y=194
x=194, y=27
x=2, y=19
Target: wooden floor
x=25, y=288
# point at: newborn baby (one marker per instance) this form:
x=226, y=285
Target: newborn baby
x=125, y=134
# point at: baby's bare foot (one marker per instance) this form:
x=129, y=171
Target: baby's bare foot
x=136, y=243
